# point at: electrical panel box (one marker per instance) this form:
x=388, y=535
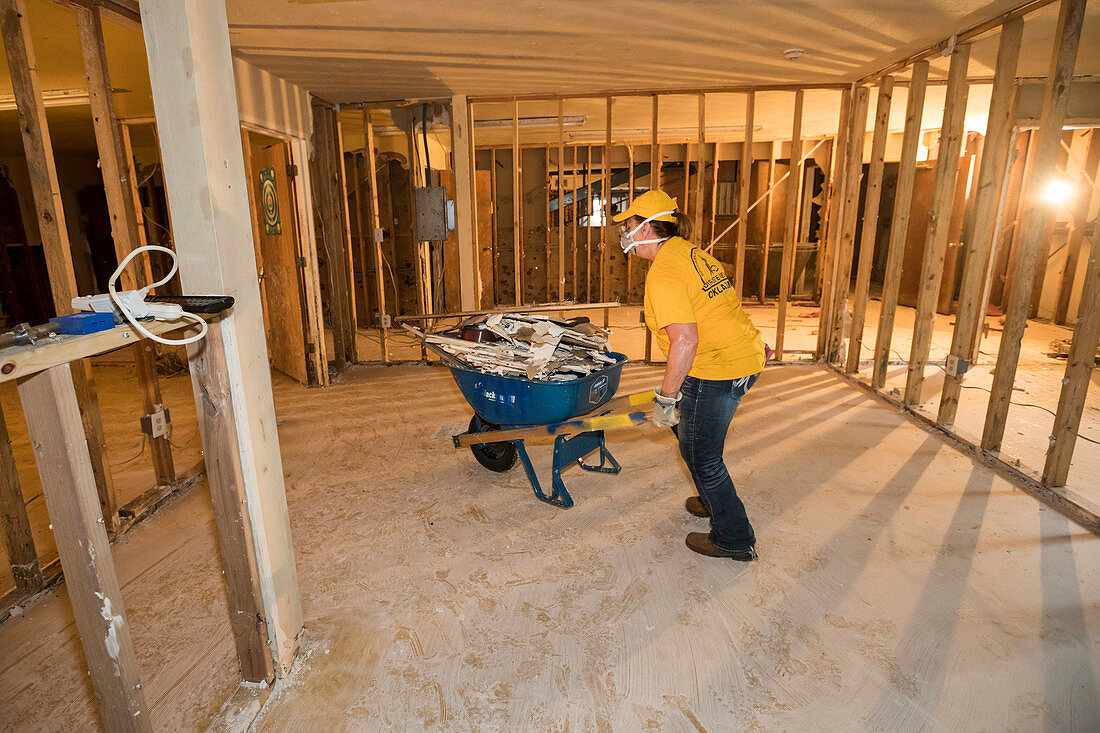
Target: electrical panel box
x=431, y=214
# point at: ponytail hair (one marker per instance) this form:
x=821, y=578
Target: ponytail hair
x=680, y=228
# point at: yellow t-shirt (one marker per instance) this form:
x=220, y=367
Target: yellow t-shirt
x=687, y=285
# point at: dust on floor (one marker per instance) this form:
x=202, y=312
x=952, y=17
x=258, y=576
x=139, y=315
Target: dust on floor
x=901, y=586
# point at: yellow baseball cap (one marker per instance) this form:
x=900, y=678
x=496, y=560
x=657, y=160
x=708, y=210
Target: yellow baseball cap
x=650, y=204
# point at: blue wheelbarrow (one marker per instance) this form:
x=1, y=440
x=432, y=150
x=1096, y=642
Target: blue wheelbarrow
x=508, y=410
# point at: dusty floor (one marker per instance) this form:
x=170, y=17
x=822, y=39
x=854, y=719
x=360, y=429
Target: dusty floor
x=901, y=585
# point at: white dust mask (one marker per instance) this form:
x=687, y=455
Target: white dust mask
x=627, y=241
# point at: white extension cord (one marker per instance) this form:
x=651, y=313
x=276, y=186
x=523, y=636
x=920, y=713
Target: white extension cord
x=131, y=303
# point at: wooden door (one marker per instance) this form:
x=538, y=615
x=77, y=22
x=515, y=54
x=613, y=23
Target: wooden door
x=277, y=229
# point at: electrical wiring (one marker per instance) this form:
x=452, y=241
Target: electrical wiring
x=129, y=316
x=1011, y=402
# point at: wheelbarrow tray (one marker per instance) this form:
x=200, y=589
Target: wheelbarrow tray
x=513, y=401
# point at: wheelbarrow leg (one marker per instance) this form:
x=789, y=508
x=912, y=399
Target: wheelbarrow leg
x=560, y=497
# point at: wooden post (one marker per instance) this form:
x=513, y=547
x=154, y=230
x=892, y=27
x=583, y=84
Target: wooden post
x=842, y=272
x=1067, y=40
x=987, y=196
x=517, y=206
x=899, y=224
x=743, y=177
x=834, y=190
x=14, y=524
x=465, y=203
x=347, y=264
x=547, y=259
x=605, y=212
x=423, y=297
x=767, y=245
x=700, y=167
x=576, y=223
x=51, y=226
x=124, y=233
x=376, y=230
x=206, y=186
x=68, y=485
x=790, y=235
x=655, y=148
x=939, y=220
x=498, y=297
x=325, y=189
x=1077, y=226
x=1079, y=367
x=870, y=222
x=561, y=200
x=629, y=201
x=216, y=417
x=685, y=204
x=357, y=179
x=588, y=225
x=716, y=155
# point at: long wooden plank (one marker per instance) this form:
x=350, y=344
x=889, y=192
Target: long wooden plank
x=517, y=204
x=68, y=485
x=870, y=222
x=324, y=195
x=939, y=220
x=655, y=147
x=790, y=223
x=629, y=200
x=744, y=175
x=376, y=230
x=832, y=210
x=469, y=271
x=1078, y=376
x=588, y=226
x=716, y=159
x=998, y=139
x=846, y=241
x=561, y=200
x=700, y=168
x=221, y=450
x=14, y=524
x=1078, y=223
x=46, y=192
x=605, y=210
x=766, y=247
x=1070, y=20
x=112, y=165
x=347, y=263
x=899, y=223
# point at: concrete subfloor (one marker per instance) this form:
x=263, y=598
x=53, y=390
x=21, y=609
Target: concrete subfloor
x=901, y=585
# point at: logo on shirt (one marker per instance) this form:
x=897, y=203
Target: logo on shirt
x=711, y=275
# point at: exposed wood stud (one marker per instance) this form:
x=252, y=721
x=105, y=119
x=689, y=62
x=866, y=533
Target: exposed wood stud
x=899, y=224
x=1078, y=223
x=376, y=229
x=1078, y=375
x=790, y=235
x=1070, y=20
x=517, y=208
x=655, y=148
x=347, y=263
x=14, y=523
x=952, y=133
x=700, y=168
x=870, y=222
x=465, y=185
x=116, y=184
x=743, y=177
x=605, y=210
x=987, y=196
x=561, y=200
x=832, y=209
x=629, y=200
x=588, y=226
x=845, y=250
x=768, y=212
x=68, y=485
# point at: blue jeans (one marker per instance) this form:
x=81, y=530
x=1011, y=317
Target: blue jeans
x=705, y=414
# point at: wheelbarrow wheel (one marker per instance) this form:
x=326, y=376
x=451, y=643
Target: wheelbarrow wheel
x=499, y=457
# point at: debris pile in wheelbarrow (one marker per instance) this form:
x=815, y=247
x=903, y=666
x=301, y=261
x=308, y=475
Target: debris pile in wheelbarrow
x=531, y=346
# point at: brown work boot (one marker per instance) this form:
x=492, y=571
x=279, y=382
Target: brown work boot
x=695, y=506
x=700, y=542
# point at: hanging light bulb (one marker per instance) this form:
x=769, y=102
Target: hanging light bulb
x=1058, y=191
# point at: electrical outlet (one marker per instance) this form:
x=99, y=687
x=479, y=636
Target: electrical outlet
x=155, y=424
x=385, y=320
x=952, y=364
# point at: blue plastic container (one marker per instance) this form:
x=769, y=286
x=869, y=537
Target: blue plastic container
x=511, y=401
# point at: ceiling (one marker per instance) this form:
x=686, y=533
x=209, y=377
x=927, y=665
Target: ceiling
x=368, y=50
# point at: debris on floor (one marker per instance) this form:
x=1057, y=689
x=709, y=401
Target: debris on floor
x=530, y=346
x=1059, y=349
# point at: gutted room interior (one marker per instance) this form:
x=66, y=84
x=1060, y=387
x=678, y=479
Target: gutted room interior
x=290, y=522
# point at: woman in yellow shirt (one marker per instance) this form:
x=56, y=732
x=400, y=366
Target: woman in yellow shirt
x=714, y=353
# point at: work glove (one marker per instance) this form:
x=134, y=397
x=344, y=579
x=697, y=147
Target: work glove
x=665, y=414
